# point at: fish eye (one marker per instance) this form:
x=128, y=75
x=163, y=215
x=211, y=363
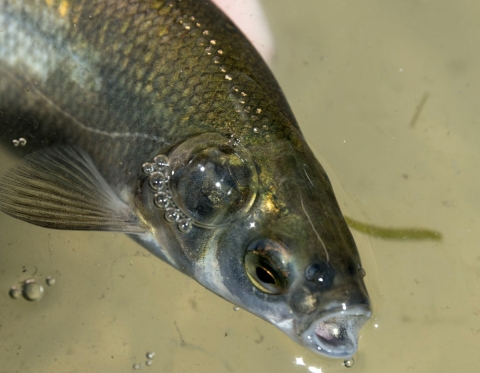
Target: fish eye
x=266, y=266
x=214, y=180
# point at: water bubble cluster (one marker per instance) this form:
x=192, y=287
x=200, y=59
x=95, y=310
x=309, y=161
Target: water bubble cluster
x=30, y=289
x=159, y=175
x=150, y=355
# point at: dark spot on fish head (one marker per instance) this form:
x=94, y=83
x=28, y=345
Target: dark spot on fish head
x=321, y=273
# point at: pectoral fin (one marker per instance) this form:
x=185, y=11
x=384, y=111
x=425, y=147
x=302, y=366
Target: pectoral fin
x=60, y=187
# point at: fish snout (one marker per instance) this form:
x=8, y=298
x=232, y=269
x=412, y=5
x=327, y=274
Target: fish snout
x=335, y=333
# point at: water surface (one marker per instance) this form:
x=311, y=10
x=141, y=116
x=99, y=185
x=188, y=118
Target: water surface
x=386, y=93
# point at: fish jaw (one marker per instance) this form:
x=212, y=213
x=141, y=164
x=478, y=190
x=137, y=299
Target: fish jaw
x=335, y=333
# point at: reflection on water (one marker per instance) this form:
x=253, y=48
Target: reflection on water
x=355, y=75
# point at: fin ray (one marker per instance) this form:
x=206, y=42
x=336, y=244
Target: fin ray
x=60, y=187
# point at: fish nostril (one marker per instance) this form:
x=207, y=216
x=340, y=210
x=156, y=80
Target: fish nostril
x=321, y=273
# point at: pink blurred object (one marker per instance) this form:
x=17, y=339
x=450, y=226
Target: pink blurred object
x=248, y=15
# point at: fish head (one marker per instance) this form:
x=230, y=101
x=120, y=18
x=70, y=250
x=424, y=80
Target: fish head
x=296, y=263
x=266, y=233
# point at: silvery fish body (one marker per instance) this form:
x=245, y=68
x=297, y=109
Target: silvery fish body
x=160, y=120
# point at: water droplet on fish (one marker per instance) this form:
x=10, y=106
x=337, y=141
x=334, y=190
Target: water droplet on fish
x=148, y=168
x=243, y=94
x=209, y=50
x=15, y=292
x=216, y=59
x=205, y=32
x=50, y=281
x=256, y=130
x=171, y=214
x=258, y=110
x=185, y=225
x=220, y=51
x=161, y=162
x=247, y=109
x=150, y=354
x=235, y=88
x=228, y=77
x=349, y=362
x=32, y=290
x=192, y=18
x=213, y=42
x=157, y=180
x=162, y=200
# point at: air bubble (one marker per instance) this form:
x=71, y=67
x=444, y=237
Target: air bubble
x=148, y=363
x=157, y=180
x=236, y=308
x=171, y=214
x=15, y=292
x=148, y=168
x=185, y=225
x=161, y=162
x=137, y=366
x=50, y=281
x=349, y=362
x=32, y=290
x=162, y=200
x=150, y=354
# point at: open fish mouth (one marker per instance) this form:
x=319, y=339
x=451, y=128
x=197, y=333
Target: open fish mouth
x=336, y=333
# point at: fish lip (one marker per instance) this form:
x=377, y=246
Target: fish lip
x=335, y=333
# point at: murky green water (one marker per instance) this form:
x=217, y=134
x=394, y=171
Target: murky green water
x=387, y=94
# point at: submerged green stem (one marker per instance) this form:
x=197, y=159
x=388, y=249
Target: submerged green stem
x=416, y=234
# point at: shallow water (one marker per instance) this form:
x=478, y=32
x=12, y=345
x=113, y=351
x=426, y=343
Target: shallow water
x=356, y=74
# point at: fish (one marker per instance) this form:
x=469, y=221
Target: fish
x=159, y=119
